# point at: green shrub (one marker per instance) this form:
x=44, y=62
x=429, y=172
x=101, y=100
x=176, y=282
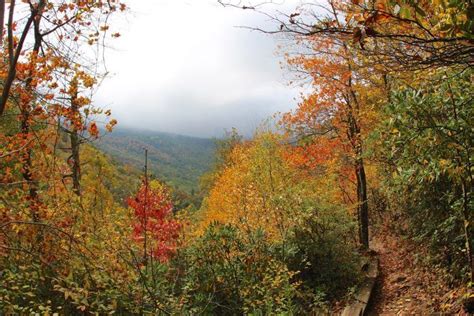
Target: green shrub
x=231, y=272
x=322, y=248
x=428, y=145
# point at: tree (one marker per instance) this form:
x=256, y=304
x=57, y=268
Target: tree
x=57, y=28
x=223, y=151
x=46, y=77
x=255, y=189
x=333, y=120
x=154, y=227
x=37, y=78
x=398, y=35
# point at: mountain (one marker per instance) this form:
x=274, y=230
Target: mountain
x=178, y=160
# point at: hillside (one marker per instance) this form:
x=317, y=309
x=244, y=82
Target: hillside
x=179, y=160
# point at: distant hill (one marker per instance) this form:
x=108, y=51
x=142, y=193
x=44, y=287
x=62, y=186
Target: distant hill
x=179, y=160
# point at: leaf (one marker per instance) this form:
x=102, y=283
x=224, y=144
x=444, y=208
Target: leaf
x=396, y=9
x=405, y=12
x=420, y=11
x=93, y=130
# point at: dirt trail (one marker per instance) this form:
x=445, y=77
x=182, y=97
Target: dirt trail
x=408, y=288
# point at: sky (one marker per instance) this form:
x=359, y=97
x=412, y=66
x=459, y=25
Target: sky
x=185, y=67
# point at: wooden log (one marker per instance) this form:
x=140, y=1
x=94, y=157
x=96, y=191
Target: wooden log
x=359, y=304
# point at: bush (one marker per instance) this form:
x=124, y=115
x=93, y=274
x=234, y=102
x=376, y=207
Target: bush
x=231, y=272
x=428, y=143
x=322, y=250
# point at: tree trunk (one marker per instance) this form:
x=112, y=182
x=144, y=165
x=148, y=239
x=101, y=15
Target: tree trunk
x=14, y=52
x=467, y=229
x=354, y=136
x=27, y=170
x=75, y=151
x=363, y=205
x=2, y=19
x=76, y=164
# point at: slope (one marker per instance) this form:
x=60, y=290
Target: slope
x=178, y=160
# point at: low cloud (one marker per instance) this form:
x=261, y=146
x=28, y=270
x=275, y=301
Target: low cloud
x=183, y=67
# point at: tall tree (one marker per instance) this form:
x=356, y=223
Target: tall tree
x=399, y=35
x=332, y=121
x=57, y=28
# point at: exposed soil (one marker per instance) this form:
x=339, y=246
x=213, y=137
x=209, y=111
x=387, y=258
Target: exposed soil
x=406, y=286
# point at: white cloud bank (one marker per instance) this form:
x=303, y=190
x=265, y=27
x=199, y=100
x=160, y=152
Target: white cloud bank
x=182, y=66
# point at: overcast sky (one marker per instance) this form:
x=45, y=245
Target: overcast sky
x=182, y=66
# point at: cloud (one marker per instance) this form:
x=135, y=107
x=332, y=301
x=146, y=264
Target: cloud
x=183, y=67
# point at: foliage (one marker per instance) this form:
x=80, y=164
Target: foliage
x=259, y=189
x=223, y=150
x=256, y=189
x=154, y=226
x=388, y=119
x=234, y=272
x=177, y=160
x=393, y=36
x=71, y=267
x=428, y=138
x=322, y=248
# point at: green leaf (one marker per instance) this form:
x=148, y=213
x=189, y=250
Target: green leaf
x=405, y=12
x=420, y=11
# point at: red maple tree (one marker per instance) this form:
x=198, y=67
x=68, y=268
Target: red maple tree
x=155, y=227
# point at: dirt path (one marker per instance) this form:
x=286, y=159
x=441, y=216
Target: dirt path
x=406, y=287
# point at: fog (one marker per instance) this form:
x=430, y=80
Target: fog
x=186, y=67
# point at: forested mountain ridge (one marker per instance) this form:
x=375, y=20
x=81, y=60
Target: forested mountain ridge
x=177, y=159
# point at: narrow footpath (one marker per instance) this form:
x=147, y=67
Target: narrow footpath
x=405, y=286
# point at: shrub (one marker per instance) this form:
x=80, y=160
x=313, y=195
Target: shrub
x=231, y=272
x=322, y=248
x=429, y=139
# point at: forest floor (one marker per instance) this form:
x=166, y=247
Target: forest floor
x=406, y=286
